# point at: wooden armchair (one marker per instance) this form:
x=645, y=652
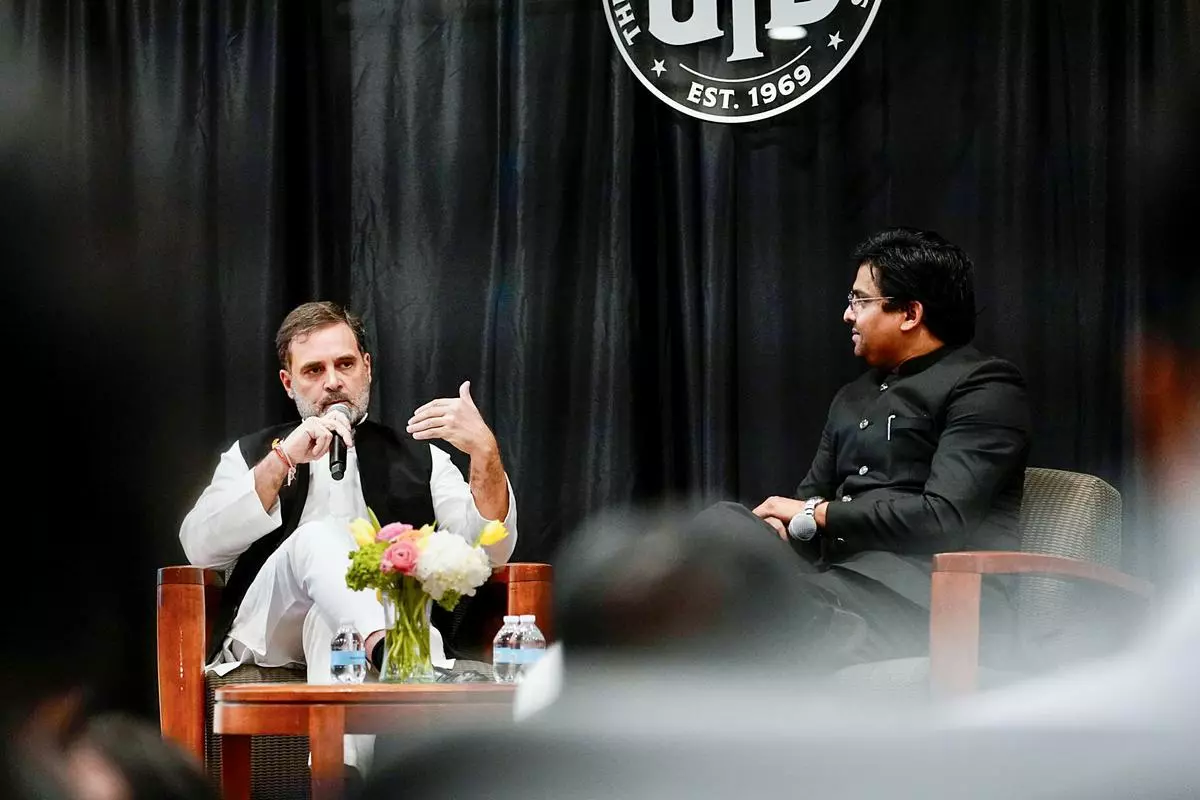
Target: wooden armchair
x=1070, y=536
x=187, y=603
x=954, y=617
x=1070, y=528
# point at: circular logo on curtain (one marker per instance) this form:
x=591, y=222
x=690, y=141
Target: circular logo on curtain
x=738, y=60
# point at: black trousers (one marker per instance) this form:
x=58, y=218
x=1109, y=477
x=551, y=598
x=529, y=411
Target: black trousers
x=837, y=617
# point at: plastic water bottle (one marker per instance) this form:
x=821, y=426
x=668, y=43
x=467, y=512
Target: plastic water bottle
x=347, y=658
x=504, y=655
x=530, y=647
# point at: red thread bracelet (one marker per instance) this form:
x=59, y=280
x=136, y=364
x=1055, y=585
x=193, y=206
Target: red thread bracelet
x=287, y=462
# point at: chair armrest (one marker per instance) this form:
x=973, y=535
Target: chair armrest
x=954, y=604
x=187, y=602
x=519, y=571
x=530, y=591
x=172, y=576
x=1003, y=562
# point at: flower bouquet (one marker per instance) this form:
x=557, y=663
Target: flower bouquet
x=410, y=568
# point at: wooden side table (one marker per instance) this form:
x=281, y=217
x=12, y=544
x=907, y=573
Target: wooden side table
x=325, y=713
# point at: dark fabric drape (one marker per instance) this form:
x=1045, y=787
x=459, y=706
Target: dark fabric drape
x=651, y=306
x=209, y=166
x=647, y=307
x=493, y=197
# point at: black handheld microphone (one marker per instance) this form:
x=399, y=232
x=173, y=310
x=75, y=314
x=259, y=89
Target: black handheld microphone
x=337, y=450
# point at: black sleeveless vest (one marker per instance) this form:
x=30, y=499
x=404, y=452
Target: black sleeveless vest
x=394, y=472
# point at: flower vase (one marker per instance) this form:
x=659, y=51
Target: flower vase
x=406, y=656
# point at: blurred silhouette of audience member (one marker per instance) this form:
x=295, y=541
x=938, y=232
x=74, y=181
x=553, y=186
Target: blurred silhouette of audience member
x=76, y=420
x=23, y=778
x=1151, y=684
x=662, y=587
x=120, y=757
x=41, y=698
x=651, y=608
x=678, y=684
x=665, y=593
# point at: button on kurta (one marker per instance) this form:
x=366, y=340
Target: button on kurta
x=845, y=498
x=883, y=387
x=862, y=470
x=863, y=424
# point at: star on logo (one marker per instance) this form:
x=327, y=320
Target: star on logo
x=659, y=68
x=835, y=40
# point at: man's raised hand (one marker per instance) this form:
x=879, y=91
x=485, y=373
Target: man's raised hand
x=455, y=420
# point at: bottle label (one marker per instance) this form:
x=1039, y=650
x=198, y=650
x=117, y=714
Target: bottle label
x=527, y=655
x=503, y=655
x=348, y=658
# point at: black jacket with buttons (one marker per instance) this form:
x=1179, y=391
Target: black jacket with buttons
x=924, y=459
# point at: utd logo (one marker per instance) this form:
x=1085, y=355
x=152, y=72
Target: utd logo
x=738, y=60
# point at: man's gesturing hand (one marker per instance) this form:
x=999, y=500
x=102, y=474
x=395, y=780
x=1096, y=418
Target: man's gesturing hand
x=455, y=420
x=778, y=512
x=312, y=438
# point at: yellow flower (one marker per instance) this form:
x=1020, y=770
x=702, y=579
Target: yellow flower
x=362, y=531
x=493, y=532
x=423, y=534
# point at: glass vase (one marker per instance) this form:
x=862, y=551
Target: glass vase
x=406, y=657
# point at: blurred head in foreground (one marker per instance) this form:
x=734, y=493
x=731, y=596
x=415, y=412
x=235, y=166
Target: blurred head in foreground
x=73, y=495
x=118, y=757
x=660, y=589
x=1164, y=359
x=670, y=599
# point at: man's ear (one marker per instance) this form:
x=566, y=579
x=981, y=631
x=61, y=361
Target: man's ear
x=285, y=378
x=914, y=315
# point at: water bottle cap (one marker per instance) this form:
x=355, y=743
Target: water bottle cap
x=527, y=618
x=508, y=618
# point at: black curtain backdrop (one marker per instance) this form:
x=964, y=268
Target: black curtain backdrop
x=648, y=307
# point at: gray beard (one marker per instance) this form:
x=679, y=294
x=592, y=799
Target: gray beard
x=358, y=406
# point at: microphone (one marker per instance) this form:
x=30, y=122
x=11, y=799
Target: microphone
x=337, y=450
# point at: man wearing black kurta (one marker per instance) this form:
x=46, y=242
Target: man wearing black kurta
x=923, y=454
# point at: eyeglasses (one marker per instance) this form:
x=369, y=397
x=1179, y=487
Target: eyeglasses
x=856, y=303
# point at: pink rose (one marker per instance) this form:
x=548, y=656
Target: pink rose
x=400, y=557
x=391, y=531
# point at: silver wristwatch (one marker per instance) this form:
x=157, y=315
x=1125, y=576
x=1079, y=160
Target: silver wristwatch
x=803, y=526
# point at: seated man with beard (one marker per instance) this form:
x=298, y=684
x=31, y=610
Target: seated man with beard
x=276, y=514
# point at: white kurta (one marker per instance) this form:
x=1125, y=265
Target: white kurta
x=300, y=596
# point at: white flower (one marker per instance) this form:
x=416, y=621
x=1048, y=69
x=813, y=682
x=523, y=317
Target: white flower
x=448, y=563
